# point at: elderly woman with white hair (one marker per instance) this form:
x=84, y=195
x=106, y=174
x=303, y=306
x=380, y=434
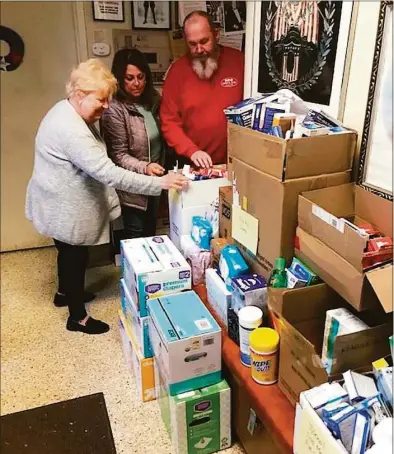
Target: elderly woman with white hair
x=71, y=196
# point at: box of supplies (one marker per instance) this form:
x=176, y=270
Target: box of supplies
x=153, y=267
x=142, y=368
x=139, y=326
x=200, y=420
x=200, y=199
x=186, y=341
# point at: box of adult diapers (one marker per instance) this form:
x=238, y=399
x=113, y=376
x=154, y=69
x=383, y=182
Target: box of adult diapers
x=142, y=368
x=198, y=421
x=186, y=342
x=138, y=325
x=153, y=267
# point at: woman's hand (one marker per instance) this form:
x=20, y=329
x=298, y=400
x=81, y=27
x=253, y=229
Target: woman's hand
x=154, y=170
x=174, y=181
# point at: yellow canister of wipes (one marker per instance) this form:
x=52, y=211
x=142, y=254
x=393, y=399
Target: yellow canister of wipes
x=264, y=343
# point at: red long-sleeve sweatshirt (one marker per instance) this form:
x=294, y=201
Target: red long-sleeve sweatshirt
x=191, y=111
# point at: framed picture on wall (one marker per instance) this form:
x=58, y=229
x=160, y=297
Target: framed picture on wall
x=108, y=11
x=302, y=46
x=151, y=15
x=376, y=152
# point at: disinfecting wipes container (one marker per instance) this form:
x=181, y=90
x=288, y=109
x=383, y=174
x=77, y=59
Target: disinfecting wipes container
x=250, y=318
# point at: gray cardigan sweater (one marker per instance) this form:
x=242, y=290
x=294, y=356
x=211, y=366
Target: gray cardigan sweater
x=68, y=197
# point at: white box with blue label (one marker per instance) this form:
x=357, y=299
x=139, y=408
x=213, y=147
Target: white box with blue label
x=186, y=341
x=219, y=297
x=138, y=325
x=153, y=267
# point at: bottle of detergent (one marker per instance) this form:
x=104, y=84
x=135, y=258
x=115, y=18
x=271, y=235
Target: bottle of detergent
x=279, y=275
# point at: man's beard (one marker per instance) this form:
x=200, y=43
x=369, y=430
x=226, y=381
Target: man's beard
x=206, y=68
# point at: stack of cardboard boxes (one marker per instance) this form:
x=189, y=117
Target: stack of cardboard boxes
x=297, y=189
x=151, y=267
x=173, y=345
x=194, y=400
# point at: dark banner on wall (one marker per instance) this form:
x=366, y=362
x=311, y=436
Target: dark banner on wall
x=298, y=47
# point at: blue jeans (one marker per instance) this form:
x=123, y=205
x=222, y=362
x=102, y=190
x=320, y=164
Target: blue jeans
x=139, y=223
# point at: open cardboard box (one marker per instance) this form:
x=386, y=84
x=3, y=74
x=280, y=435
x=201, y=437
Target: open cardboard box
x=274, y=203
x=301, y=314
x=321, y=214
x=292, y=158
x=371, y=289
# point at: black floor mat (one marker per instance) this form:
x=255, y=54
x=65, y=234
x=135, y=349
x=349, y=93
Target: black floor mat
x=77, y=426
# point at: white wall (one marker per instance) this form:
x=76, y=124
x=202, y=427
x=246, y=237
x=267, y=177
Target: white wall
x=26, y=95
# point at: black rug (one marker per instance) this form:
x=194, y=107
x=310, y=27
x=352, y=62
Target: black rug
x=77, y=426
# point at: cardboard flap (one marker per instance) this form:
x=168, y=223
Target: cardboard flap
x=381, y=281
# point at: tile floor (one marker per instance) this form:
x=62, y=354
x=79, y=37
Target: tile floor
x=42, y=363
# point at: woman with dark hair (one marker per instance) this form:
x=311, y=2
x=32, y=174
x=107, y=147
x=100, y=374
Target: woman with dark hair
x=131, y=130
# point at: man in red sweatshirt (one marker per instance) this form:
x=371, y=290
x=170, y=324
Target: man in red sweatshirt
x=197, y=88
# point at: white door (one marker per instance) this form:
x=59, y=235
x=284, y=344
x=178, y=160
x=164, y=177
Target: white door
x=48, y=32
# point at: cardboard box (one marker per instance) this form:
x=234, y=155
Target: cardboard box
x=198, y=421
x=253, y=435
x=186, y=341
x=200, y=199
x=362, y=290
x=225, y=207
x=139, y=326
x=142, y=368
x=320, y=213
x=275, y=204
x=152, y=267
x=311, y=435
x=217, y=244
x=292, y=158
x=218, y=296
x=302, y=314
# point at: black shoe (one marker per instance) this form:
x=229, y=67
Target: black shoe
x=92, y=326
x=60, y=300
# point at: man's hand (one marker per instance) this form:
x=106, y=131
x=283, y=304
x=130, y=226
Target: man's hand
x=154, y=170
x=201, y=159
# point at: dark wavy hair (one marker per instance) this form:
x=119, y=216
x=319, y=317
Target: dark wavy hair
x=124, y=57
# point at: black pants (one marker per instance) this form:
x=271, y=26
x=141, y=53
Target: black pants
x=139, y=223
x=72, y=262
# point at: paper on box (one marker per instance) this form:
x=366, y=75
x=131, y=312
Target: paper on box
x=219, y=297
x=199, y=421
x=312, y=436
x=153, y=267
x=139, y=326
x=245, y=229
x=143, y=368
x=186, y=341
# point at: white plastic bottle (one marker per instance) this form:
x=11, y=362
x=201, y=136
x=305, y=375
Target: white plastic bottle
x=250, y=318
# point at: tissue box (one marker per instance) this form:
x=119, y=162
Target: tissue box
x=152, y=267
x=218, y=296
x=200, y=420
x=249, y=290
x=142, y=368
x=199, y=259
x=186, y=341
x=139, y=326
